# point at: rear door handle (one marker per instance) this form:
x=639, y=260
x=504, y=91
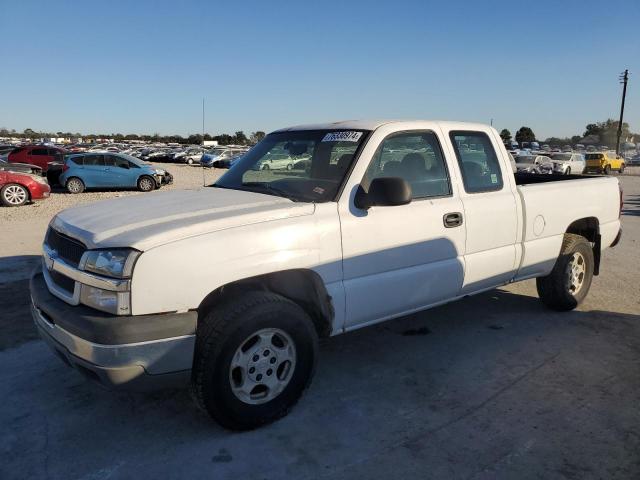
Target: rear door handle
x=452, y=219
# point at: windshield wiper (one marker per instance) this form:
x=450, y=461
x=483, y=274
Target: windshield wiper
x=270, y=188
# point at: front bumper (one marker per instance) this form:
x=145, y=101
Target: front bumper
x=143, y=352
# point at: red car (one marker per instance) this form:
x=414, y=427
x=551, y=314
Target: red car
x=40, y=155
x=18, y=188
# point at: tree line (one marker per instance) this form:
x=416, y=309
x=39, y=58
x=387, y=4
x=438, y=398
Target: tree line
x=238, y=138
x=601, y=133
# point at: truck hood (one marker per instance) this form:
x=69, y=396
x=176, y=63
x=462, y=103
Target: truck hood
x=148, y=220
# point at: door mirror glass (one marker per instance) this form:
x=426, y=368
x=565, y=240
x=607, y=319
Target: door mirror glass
x=384, y=192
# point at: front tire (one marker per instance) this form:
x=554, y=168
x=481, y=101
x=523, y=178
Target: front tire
x=568, y=283
x=75, y=185
x=14, y=195
x=253, y=360
x=622, y=168
x=607, y=170
x=567, y=171
x=146, y=184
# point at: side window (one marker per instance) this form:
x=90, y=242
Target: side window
x=75, y=160
x=93, y=160
x=39, y=151
x=478, y=161
x=109, y=161
x=414, y=156
x=121, y=162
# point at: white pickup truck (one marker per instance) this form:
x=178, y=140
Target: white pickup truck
x=229, y=288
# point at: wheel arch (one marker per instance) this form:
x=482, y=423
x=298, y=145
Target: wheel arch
x=589, y=228
x=302, y=286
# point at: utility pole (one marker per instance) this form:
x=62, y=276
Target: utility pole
x=624, y=77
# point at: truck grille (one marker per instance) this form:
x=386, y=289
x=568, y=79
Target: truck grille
x=62, y=281
x=68, y=249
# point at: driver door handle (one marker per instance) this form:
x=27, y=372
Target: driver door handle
x=452, y=220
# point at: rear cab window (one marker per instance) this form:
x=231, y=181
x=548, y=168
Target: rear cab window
x=478, y=161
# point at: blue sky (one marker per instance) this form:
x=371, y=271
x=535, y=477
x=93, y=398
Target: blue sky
x=144, y=67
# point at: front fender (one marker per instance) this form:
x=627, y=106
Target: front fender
x=179, y=275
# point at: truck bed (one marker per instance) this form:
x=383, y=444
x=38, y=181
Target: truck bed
x=530, y=178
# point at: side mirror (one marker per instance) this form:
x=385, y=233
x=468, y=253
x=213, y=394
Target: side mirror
x=384, y=192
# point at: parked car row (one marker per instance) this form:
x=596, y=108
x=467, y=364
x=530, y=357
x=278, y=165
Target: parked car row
x=568, y=163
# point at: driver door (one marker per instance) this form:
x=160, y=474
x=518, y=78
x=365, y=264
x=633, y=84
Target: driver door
x=400, y=259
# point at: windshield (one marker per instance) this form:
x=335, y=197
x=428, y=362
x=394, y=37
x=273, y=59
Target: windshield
x=561, y=156
x=306, y=166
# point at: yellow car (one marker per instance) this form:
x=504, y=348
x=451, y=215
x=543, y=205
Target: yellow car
x=603, y=162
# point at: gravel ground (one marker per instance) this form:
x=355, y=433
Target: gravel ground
x=185, y=177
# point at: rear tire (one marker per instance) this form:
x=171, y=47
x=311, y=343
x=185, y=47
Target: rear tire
x=146, y=184
x=14, y=195
x=240, y=372
x=622, y=168
x=568, y=283
x=75, y=185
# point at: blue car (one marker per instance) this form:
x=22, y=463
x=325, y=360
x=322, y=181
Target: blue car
x=110, y=170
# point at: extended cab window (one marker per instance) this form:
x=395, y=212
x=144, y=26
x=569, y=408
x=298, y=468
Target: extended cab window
x=415, y=157
x=478, y=161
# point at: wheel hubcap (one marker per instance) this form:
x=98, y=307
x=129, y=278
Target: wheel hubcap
x=146, y=183
x=262, y=366
x=15, y=195
x=576, y=272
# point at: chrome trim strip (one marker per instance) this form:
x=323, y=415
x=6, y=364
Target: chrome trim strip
x=155, y=356
x=86, y=278
x=73, y=299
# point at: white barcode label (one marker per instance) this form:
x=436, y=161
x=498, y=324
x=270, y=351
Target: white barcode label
x=342, y=137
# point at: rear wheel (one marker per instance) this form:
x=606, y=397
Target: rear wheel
x=189, y=161
x=253, y=360
x=290, y=166
x=568, y=283
x=14, y=195
x=75, y=185
x=146, y=184
x=622, y=168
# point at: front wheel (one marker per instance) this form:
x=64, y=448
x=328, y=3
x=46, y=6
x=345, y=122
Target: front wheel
x=189, y=161
x=622, y=168
x=607, y=170
x=14, y=195
x=146, y=184
x=254, y=358
x=568, y=283
x=567, y=171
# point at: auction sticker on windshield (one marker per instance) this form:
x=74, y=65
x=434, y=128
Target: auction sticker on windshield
x=342, y=137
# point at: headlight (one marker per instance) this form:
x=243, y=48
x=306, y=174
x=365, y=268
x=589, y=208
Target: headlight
x=111, y=263
x=38, y=178
x=159, y=171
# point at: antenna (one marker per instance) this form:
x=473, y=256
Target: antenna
x=204, y=181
